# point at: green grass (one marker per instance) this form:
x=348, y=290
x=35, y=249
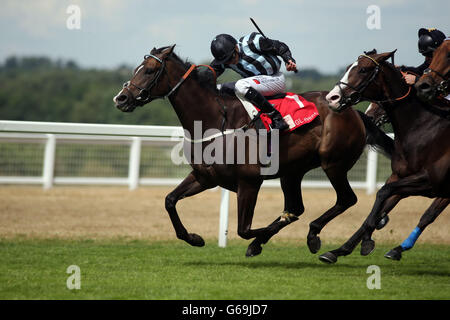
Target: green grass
x=124, y=269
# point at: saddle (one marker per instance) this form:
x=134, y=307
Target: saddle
x=296, y=111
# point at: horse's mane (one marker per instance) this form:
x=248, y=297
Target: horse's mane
x=394, y=69
x=203, y=76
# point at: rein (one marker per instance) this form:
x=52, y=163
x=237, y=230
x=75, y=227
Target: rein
x=396, y=99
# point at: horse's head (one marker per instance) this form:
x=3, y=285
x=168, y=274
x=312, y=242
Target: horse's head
x=435, y=80
x=377, y=114
x=149, y=81
x=358, y=82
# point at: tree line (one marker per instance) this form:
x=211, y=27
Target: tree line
x=42, y=89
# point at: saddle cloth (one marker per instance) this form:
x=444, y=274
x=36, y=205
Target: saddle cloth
x=296, y=111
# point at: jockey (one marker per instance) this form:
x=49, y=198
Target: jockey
x=429, y=40
x=254, y=57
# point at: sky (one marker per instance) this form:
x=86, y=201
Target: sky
x=326, y=35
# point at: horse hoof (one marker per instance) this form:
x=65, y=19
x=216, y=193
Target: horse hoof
x=253, y=250
x=383, y=222
x=195, y=240
x=328, y=257
x=367, y=246
x=314, y=244
x=394, y=254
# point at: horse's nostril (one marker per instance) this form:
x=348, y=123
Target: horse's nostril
x=424, y=86
x=335, y=97
x=122, y=98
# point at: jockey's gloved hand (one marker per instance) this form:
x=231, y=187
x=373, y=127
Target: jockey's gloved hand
x=291, y=66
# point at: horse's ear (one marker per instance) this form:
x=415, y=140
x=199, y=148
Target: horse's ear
x=168, y=51
x=387, y=55
x=373, y=51
x=153, y=51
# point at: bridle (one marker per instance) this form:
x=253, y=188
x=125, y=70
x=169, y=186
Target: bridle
x=357, y=95
x=144, y=94
x=443, y=86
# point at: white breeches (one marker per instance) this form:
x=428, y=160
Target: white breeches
x=266, y=85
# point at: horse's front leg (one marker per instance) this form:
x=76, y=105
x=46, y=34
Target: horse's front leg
x=247, y=194
x=188, y=187
x=293, y=208
x=345, y=199
x=417, y=184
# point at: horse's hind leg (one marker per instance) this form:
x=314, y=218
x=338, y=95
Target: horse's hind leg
x=188, y=187
x=293, y=208
x=345, y=199
x=436, y=208
x=389, y=205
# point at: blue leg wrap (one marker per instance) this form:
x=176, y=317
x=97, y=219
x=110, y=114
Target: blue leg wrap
x=409, y=242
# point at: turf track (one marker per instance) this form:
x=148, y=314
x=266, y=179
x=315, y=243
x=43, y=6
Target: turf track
x=155, y=270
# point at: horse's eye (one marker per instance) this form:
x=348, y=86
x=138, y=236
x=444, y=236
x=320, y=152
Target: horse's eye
x=362, y=70
x=148, y=71
x=448, y=55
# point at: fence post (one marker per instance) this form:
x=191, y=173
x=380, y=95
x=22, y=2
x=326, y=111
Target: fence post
x=49, y=161
x=134, y=163
x=371, y=173
x=223, y=223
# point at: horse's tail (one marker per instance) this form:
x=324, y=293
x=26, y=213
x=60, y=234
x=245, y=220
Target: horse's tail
x=377, y=138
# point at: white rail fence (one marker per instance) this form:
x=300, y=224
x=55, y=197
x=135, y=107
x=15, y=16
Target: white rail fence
x=53, y=135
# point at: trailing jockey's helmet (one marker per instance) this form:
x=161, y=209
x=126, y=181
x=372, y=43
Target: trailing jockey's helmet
x=429, y=40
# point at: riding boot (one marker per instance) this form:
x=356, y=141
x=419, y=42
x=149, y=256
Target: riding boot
x=261, y=102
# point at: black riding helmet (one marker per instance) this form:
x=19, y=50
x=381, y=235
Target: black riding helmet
x=222, y=47
x=429, y=40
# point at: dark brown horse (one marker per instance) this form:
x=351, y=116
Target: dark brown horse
x=421, y=159
x=378, y=115
x=435, y=82
x=194, y=98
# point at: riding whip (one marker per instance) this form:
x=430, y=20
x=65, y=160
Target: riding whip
x=262, y=33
